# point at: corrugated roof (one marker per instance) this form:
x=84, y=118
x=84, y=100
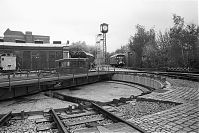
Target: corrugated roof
x=31, y=44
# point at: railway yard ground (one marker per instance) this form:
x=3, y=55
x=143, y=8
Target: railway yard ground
x=103, y=92
x=176, y=109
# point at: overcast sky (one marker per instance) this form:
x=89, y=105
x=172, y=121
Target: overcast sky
x=79, y=20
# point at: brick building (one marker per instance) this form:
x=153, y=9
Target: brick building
x=12, y=36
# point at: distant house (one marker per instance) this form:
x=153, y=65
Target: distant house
x=13, y=36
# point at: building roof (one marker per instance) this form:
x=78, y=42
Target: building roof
x=41, y=36
x=9, y=32
x=88, y=54
x=71, y=59
x=13, y=44
x=117, y=55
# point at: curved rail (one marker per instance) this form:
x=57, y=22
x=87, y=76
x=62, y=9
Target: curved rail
x=97, y=108
x=60, y=125
x=5, y=118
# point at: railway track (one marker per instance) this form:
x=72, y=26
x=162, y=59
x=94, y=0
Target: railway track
x=29, y=122
x=93, y=119
x=89, y=116
x=74, y=119
x=100, y=114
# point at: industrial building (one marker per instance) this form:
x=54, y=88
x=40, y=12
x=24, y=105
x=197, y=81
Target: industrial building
x=13, y=36
x=31, y=56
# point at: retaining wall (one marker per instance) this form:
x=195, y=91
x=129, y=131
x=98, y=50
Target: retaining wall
x=141, y=79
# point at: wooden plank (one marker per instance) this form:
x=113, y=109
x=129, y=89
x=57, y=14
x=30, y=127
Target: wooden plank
x=111, y=128
x=76, y=115
x=83, y=121
x=87, y=130
x=42, y=120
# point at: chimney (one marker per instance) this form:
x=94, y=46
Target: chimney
x=28, y=33
x=29, y=37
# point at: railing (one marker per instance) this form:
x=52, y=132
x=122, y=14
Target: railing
x=41, y=74
x=29, y=82
x=7, y=79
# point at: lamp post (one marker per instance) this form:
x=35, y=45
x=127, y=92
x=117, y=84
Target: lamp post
x=104, y=30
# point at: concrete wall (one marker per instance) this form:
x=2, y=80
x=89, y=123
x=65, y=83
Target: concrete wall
x=152, y=82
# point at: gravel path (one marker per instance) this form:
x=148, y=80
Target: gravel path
x=142, y=108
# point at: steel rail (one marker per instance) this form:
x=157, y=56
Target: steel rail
x=70, y=98
x=97, y=108
x=5, y=118
x=112, y=116
x=58, y=122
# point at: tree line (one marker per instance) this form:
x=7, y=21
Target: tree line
x=177, y=47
